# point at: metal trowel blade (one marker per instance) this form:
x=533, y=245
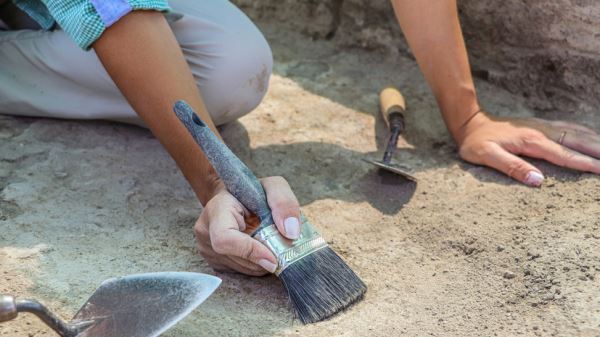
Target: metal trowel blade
x=392, y=168
x=144, y=305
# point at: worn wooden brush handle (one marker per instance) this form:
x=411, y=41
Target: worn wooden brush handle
x=392, y=105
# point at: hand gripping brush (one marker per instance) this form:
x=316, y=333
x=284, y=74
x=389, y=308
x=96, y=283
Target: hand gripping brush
x=318, y=282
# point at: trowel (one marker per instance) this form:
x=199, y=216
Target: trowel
x=142, y=305
x=393, y=106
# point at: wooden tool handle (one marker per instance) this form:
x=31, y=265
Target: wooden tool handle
x=391, y=101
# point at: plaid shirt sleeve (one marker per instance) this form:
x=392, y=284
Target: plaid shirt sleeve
x=85, y=20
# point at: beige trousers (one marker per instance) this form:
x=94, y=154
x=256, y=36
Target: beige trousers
x=45, y=74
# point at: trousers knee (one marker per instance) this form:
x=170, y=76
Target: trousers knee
x=232, y=66
x=228, y=55
x=241, y=82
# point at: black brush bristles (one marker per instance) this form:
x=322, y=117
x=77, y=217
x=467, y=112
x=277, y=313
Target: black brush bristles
x=320, y=285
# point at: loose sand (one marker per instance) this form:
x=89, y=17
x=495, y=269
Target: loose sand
x=465, y=252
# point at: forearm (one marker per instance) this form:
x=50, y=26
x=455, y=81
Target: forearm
x=143, y=58
x=433, y=32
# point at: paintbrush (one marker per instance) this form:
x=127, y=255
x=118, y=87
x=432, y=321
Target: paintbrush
x=318, y=282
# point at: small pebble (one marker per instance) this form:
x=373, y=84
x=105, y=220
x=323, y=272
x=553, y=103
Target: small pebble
x=548, y=297
x=60, y=174
x=533, y=254
x=509, y=275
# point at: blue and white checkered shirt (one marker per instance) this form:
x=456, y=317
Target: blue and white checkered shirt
x=84, y=20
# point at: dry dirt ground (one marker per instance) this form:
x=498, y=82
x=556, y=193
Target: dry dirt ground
x=465, y=252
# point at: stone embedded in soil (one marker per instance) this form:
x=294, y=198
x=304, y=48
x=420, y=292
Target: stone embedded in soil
x=533, y=254
x=509, y=275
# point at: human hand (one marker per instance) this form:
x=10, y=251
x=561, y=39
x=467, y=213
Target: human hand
x=497, y=143
x=222, y=231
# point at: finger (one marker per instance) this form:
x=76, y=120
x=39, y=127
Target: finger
x=572, y=127
x=513, y=166
x=205, y=249
x=230, y=264
x=201, y=230
x=237, y=244
x=562, y=156
x=553, y=129
x=584, y=143
x=224, y=263
x=202, y=235
x=246, y=267
x=224, y=205
x=242, y=270
x=284, y=206
x=226, y=239
x=246, y=271
x=221, y=268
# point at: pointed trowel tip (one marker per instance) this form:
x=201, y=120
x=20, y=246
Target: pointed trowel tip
x=209, y=281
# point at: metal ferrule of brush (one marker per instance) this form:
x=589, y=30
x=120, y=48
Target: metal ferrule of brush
x=290, y=251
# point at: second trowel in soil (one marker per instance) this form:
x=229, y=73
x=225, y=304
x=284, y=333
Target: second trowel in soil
x=392, y=106
x=317, y=280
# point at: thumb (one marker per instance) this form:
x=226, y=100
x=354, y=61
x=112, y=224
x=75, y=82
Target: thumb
x=284, y=206
x=513, y=166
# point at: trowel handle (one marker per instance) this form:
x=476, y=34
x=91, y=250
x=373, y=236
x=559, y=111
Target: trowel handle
x=8, y=308
x=393, y=106
x=236, y=176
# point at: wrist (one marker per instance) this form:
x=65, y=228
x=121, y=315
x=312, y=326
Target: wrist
x=458, y=107
x=210, y=187
x=478, y=119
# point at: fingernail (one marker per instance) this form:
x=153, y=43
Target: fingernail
x=268, y=265
x=292, y=227
x=534, y=178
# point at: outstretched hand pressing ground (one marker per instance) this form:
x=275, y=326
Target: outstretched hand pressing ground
x=498, y=143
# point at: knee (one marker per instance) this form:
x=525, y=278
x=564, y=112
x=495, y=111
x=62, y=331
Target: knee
x=244, y=79
x=235, y=75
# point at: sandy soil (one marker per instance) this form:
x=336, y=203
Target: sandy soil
x=465, y=252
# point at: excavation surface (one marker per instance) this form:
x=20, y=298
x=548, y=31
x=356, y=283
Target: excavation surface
x=465, y=252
